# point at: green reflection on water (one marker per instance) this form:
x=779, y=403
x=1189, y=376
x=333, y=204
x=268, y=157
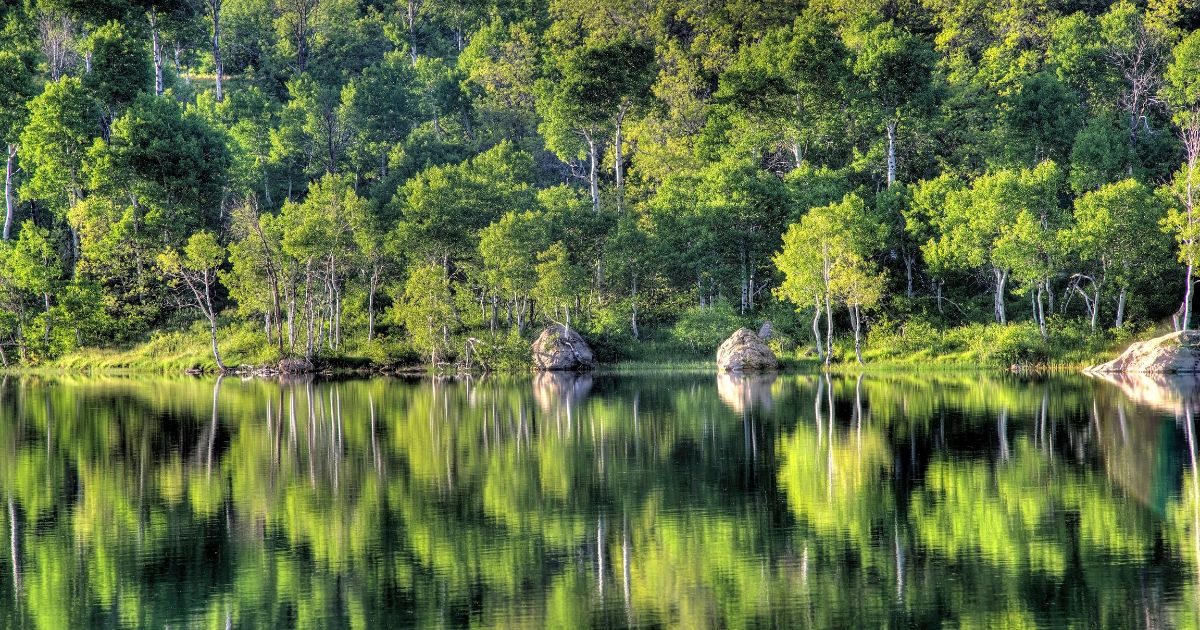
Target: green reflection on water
x=558, y=501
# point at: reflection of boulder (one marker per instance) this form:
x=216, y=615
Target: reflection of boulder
x=743, y=392
x=551, y=389
x=1135, y=427
x=1176, y=352
x=558, y=348
x=745, y=351
x=1164, y=392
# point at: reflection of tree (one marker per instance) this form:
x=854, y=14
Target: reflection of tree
x=612, y=502
x=834, y=474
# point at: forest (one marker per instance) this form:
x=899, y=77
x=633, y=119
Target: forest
x=407, y=182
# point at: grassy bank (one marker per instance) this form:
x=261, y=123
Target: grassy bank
x=188, y=350
x=887, y=347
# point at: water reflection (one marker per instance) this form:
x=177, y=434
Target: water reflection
x=569, y=501
x=744, y=392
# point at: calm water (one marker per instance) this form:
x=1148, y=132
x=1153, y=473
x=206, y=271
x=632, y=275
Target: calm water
x=684, y=501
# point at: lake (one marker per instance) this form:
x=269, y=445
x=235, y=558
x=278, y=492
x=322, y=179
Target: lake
x=681, y=500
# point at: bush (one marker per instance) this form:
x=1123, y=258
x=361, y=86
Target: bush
x=996, y=345
x=502, y=351
x=890, y=339
x=702, y=329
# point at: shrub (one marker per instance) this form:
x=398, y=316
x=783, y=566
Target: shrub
x=704, y=328
x=502, y=351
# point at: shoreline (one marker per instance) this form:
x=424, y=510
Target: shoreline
x=629, y=368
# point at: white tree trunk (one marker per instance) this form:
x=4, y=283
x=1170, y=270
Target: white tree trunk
x=9, y=200
x=891, y=152
x=816, y=329
x=828, y=310
x=1001, y=278
x=618, y=160
x=1187, y=300
x=593, y=172
x=856, y=321
x=1120, y=320
x=218, y=65
x=156, y=51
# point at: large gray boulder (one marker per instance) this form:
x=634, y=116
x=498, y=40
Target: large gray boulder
x=745, y=351
x=558, y=348
x=1176, y=353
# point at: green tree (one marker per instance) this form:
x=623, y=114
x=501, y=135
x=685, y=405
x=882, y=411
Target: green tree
x=508, y=249
x=926, y=203
x=196, y=268
x=633, y=265
x=787, y=89
x=16, y=88
x=319, y=235
x=974, y=225
x=1099, y=155
x=597, y=85
x=55, y=142
x=35, y=268
x=1115, y=236
x=119, y=68
x=1182, y=90
x=427, y=310
x=379, y=106
x=443, y=207
x=894, y=67
x=560, y=282
x=824, y=258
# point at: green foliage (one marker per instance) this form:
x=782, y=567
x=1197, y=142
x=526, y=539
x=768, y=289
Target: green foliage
x=703, y=328
x=54, y=143
x=426, y=310
x=559, y=282
x=121, y=66
x=602, y=163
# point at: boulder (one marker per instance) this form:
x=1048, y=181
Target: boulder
x=745, y=351
x=1176, y=353
x=558, y=348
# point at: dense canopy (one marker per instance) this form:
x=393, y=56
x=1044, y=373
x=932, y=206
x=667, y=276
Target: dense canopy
x=403, y=181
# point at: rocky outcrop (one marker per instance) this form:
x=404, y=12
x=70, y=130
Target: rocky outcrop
x=745, y=351
x=1176, y=353
x=558, y=348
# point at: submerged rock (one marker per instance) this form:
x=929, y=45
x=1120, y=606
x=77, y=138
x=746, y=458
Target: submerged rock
x=1176, y=353
x=558, y=348
x=745, y=351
